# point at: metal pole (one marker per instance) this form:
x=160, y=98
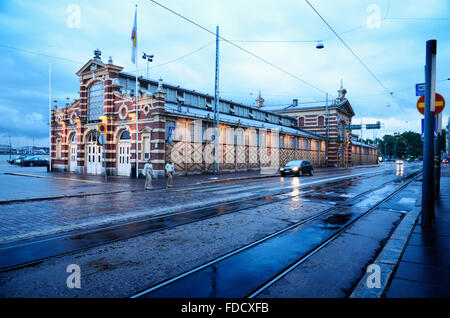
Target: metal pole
x=428, y=151
x=104, y=156
x=326, y=131
x=437, y=154
x=137, y=110
x=216, y=108
x=362, y=140
x=50, y=112
x=147, y=67
x=10, y=148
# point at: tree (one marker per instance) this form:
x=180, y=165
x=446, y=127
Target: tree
x=401, y=145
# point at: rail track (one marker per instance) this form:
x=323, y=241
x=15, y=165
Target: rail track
x=251, y=269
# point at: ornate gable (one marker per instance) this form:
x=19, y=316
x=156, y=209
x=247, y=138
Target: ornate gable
x=96, y=63
x=346, y=108
x=90, y=66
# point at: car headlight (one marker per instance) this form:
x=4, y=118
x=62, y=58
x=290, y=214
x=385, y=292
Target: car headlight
x=281, y=169
x=295, y=168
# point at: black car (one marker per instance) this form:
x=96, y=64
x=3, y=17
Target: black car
x=297, y=168
x=35, y=161
x=14, y=160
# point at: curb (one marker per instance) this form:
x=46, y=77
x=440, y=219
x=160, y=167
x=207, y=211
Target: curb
x=389, y=257
x=49, y=177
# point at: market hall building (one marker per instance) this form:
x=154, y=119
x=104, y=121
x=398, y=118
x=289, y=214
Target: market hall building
x=250, y=137
x=344, y=148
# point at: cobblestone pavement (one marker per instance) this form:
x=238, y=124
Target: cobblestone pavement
x=23, y=220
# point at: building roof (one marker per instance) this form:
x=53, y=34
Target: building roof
x=343, y=105
x=195, y=112
x=202, y=112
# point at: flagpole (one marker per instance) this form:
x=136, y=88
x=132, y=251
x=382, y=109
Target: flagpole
x=137, y=111
x=50, y=112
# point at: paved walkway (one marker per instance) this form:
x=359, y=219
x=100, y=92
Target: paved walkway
x=424, y=268
x=36, y=183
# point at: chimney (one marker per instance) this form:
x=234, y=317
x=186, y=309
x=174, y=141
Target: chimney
x=295, y=102
x=259, y=102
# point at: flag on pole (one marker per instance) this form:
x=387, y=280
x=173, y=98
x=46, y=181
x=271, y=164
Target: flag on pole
x=134, y=38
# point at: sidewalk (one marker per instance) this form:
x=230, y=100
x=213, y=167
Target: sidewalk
x=424, y=268
x=415, y=261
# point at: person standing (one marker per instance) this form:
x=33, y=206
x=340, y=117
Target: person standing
x=170, y=170
x=148, y=173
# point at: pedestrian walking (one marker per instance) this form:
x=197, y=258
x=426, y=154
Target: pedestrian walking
x=170, y=170
x=148, y=173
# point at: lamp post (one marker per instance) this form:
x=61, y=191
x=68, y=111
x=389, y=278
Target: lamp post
x=149, y=58
x=326, y=131
x=10, y=147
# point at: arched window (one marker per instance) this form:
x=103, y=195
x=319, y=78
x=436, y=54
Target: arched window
x=301, y=122
x=95, y=100
x=320, y=121
x=92, y=136
x=125, y=135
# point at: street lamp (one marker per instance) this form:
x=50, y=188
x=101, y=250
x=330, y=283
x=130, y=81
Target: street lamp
x=149, y=58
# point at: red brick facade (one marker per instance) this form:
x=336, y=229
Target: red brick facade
x=106, y=97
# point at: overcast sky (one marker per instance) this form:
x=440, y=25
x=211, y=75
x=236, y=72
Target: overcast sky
x=388, y=36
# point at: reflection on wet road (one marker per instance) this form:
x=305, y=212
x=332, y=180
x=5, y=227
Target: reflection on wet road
x=240, y=273
x=15, y=253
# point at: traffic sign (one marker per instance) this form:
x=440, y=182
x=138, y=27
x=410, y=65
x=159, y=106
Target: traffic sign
x=373, y=126
x=102, y=128
x=101, y=140
x=435, y=128
x=353, y=127
x=439, y=104
x=170, y=134
x=420, y=89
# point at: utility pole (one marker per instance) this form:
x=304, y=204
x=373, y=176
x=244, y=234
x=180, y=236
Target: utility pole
x=10, y=148
x=326, y=130
x=437, y=155
x=216, y=150
x=428, y=151
x=50, y=112
x=362, y=140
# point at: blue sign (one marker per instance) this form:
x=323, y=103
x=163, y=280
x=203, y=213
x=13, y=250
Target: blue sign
x=420, y=89
x=435, y=128
x=170, y=135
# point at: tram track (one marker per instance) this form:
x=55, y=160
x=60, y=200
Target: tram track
x=205, y=280
x=25, y=253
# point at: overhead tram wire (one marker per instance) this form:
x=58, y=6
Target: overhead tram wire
x=39, y=53
x=240, y=48
x=354, y=54
x=178, y=58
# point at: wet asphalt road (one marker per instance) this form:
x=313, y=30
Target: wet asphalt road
x=125, y=267
x=48, y=217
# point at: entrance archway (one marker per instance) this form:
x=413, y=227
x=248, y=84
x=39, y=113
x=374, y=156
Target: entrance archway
x=94, y=158
x=73, y=153
x=124, y=154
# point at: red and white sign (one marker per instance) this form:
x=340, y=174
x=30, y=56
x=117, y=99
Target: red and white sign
x=439, y=104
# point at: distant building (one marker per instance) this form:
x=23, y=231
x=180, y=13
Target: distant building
x=5, y=149
x=343, y=150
